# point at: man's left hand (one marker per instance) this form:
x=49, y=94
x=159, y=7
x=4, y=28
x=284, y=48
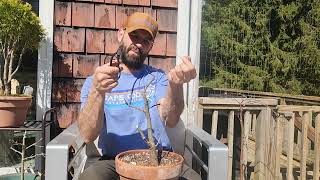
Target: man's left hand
x=183, y=72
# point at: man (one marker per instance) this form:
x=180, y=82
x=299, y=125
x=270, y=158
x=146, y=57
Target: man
x=107, y=95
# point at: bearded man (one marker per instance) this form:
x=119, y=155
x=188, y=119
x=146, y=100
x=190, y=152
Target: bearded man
x=107, y=94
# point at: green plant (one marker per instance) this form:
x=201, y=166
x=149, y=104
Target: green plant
x=20, y=30
x=262, y=45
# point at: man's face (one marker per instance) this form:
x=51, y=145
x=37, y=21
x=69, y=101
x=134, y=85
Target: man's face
x=135, y=47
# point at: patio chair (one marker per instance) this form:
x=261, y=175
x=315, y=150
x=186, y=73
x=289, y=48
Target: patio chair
x=67, y=154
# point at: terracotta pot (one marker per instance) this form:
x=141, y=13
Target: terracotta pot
x=13, y=110
x=135, y=172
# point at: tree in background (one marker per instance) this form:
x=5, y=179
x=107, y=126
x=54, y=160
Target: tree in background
x=263, y=45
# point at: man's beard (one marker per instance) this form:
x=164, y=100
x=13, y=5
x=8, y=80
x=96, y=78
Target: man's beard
x=132, y=63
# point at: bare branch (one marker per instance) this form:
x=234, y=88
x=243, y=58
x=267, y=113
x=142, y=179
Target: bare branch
x=34, y=144
x=139, y=109
x=31, y=157
x=19, y=62
x=15, y=150
x=155, y=105
x=5, y=67
x=13, y=49
x=143, y=136
x=146, y=87
x=16, y=144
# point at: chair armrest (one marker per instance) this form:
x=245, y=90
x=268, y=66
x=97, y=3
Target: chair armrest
x=217, y=152
x=65, y=153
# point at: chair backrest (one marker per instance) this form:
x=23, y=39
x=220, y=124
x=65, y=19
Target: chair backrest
x=176, y=136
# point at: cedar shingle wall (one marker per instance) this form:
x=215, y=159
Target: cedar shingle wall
x=85, y=36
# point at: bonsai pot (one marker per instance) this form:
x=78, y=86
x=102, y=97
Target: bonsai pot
x=13, y=110
x=132, y=171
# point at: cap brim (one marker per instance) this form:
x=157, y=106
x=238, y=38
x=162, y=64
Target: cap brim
x=130, y=29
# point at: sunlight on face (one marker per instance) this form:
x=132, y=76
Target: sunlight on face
x=135, y=47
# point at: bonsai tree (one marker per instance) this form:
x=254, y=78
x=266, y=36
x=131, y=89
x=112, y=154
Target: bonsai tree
x=153, y=163
x=20, y=30
x=155, y=156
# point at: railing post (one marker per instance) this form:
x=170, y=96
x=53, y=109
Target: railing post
x=304, y=144
x=214, y=125
x=230, y=142
x=200, y=116
x=279, y=141
x=290, y=146
x=264, y=157
x=316, y=148
x=244, y=142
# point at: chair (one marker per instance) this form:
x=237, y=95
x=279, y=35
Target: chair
x=67, y=154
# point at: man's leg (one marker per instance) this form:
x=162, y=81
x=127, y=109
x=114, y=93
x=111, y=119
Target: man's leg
x=189, y=174
x=100, y=170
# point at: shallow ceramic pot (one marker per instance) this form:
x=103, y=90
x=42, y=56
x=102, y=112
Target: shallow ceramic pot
x=136, y=172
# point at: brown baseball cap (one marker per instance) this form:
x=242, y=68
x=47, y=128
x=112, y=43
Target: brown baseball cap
x=143, y=21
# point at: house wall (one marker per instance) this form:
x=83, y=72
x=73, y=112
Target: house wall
x=85, y=36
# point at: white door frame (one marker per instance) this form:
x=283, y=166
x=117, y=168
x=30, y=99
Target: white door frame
x=188, y=43
x=44, y=72
x=45, y=58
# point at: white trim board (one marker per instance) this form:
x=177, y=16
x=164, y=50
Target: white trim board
x=44, y=72
x=188, y=43
x=45, y=58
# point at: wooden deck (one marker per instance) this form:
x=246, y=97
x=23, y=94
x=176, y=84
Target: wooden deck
x=276, y=141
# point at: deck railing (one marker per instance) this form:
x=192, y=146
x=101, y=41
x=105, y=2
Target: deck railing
x=276, y=141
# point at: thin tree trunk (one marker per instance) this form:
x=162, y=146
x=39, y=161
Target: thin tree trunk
x=7, y=82
x=12, y=59
x=19, y=63
x=23, y=149
x=1, y=67
x=153, y=150
x=5, y=69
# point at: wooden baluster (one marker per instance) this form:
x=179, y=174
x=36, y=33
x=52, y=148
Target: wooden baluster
x=316, y=148
x=230, y=142
x=278, y=136
x=254, y=122
x=200, y=116
x=290, y=146
x=304, y=144
x=214, y=124
x=244, y=161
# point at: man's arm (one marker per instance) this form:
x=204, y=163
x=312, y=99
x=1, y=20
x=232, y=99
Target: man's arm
x=91, y=116
x=90, y=119
x=172, y=105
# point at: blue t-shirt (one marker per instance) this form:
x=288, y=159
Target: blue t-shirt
x=119, y=132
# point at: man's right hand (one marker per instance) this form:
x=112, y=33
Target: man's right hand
x=105, y=77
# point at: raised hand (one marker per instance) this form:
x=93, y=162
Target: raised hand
x=183, y=72
x=105, y=77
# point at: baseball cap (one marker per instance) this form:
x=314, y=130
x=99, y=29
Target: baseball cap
x=143, y=21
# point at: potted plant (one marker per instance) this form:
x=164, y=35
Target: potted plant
x=148, y=163
x=20, y=31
